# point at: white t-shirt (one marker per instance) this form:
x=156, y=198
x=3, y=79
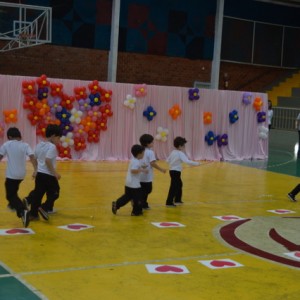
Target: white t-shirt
x=270, y=116
x=298, y=119
x=149, y=157
x=176, y=158
x=16, y=152
x=42, y=151
x=133, y=180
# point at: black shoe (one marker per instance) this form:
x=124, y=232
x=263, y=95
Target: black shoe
x=114, y=207
x=33, y=218
x=25, y=218
x=26, y=204
x=43, y=213
x=179, y=202
x=170, y=205
x=136, y=214
x=291, y=197
x=147, y=207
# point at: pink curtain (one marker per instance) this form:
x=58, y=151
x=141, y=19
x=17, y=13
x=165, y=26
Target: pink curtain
x=126, y=125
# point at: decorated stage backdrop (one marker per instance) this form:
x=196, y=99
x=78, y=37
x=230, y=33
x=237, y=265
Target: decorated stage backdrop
x=102, y=120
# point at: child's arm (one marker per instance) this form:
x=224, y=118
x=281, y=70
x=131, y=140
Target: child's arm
x=1, y=156
x=156, y=166
x=184, y=158
x=137, y=171
x=34, y=164
x=51, y=168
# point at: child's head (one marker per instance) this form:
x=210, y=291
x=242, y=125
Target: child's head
x=53, y=133
x=138, y=151
x=146, y=140
x=179, y=142
x=13, y=133
x=269, y=104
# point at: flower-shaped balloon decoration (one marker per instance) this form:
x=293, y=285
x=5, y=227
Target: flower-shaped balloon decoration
x=56, y=89
x=80, y=93
x=34, y=117
x=1, y=130
x=66, y=128
x=88, y=124
x=67, y=140
x=162, y=134
x=54, y=104
x=149, y=113
x=42, y=93
x=106, y=111
x=247, y=98
x=64, y=152
x=263, y=132
x=67, y=101
x=95, y=99
x=175, y=111
x=42, y=107
x=79, y=143
x=261, y=117
x=94, y=113
x=84, y=104
x=210, y=138
x=222, y=140
x=257, y=104
x=106, y=95
x=130, y=101
x=63, y=116
x=233, y=116
x=75, y=116
x=140, y=90
x=101, y=124
x=94, y=87
x=93, y=136
x=28, y=87
x=42, y=81
x=41, y=128
x=10, y=116
x=78, y=130
x=207, y=117
x=29, y=102
x=194, y=94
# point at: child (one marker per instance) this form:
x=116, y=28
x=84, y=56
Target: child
x=149, y=161
x=175, y=160
x=46, y=180
x=291, y=195
x=133, y=189
x=16, y=152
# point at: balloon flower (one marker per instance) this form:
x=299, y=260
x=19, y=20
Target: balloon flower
x=247, y=97
x=67, y=140
x=263, y=132
x=42, y=81
x=130, y=101
x=80, y=93
x=162, y=134
x=95, y=99
x=222, y=140
x=210, y=138
x=175, y=111
x=94, y=87
x=140, y=90
x=64, y=152
x=10, y=116
x=56, y=89
x=28, y=87
x=79, y=143
x=257, y=104
x=149, y=113
x=106, y=95
x=207, y=118
x=261, y=117
x=233, y=116
x=194, y=94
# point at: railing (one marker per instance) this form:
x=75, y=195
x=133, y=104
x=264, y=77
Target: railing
x=284, y=118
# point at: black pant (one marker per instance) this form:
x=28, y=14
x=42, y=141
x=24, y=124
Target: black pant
x=44, y=184
x=175, y=191
x=12, y=188
x=146, y=190
x=296, y=190
x=134, y=194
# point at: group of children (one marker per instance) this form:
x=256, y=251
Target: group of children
x=140, y=175
x=45, y=174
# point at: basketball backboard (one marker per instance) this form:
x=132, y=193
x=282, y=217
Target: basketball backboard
x=24, y=25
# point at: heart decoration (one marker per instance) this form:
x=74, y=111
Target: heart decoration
x=76, y=227
x=81, y=116
x=166, y=268
x=230, y=218
x=222, y=263
x=17, y=231
x=169, y=224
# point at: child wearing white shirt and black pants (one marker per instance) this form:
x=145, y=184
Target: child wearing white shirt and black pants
x=133, y=189
x=175, y=160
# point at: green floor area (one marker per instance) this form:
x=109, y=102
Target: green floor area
x=282, y=157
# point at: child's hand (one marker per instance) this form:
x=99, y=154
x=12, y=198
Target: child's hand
x=164, y=171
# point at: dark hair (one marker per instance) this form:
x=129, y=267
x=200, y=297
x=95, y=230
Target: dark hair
x=13, y=132
x=146, y=139
x=269, y=104
x=53, y=129
x=137, y=149
x=179, y=141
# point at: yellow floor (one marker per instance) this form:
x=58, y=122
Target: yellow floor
x=108, y=261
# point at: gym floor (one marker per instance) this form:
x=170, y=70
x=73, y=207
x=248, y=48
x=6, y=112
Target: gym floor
x=235, y=237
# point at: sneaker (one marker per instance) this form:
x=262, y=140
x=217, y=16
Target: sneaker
x=26, y=204
x=114, y=207
x=52, y=211
x=291, y=197
x=170, y=205
x=25, y=218
x=179, y=203
x=43, y=214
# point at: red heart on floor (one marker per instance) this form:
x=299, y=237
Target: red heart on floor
x=16, y=231
x=282, y=210
x=222, y=263
x=297, y=254
x=166, y=268
x=229, y=218
x=166, y=224
x=76, y=227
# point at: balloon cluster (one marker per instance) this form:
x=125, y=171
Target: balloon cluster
x=194, y=94
x=210, y=138
x=149, y=113
x=175, y=111
x=257, y=104
x=222, y=140
x=261, y=117
x=140, y=90
x=247, y=98
x=10, y=116
x=130, y=101
x=162, y=134
x=207, y=118
x=233, y=116
x=263, y=132
x=81, y=116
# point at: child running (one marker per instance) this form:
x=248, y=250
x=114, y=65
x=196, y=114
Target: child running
x=16, y=152
x=133, y=189
x=46, y=180
x=175, y=160
x=149, y=161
